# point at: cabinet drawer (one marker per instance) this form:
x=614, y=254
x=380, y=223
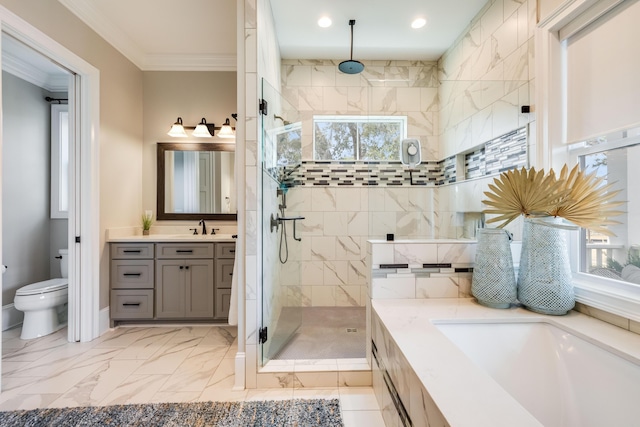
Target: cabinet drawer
x=132, y=304
x=132, y=274
x=223, y=298
x=131, y=250
x=225, y=250
x=184, y=250
x=224, y=273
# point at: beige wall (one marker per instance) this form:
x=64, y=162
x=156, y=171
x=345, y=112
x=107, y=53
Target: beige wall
x=120, y=116
x=546, y=7
x=190, y=95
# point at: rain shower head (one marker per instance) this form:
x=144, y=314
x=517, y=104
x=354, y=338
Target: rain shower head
x=351, y=66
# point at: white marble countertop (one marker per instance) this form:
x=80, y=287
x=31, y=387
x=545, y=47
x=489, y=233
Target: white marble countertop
x=465, y=394
x=160, y=238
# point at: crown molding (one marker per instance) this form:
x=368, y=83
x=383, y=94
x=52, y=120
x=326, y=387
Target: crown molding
x=28, y=72
x=145, y=62
x=184, y=62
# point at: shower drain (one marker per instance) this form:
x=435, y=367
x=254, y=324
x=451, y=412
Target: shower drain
x=352, y=330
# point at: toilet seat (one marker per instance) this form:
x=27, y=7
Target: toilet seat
x=43, y=287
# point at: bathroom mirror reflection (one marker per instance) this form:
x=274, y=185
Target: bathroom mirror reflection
x=196, y=181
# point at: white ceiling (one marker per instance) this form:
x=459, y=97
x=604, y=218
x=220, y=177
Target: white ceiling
x=200, y=34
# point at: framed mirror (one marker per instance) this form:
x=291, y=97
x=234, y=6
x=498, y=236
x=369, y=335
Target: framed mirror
x=196, y=181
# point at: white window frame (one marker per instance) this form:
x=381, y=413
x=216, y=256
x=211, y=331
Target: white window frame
x=59, y=161
x=359, y=119
x=613, y=296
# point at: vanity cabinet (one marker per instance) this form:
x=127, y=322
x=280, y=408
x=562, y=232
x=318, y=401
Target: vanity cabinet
x=185, y=281
x=171, y=280
x=132, y=281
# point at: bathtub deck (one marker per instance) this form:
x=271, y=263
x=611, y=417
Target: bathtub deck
x=465, y=394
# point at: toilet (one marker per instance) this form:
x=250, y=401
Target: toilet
x=44, y=303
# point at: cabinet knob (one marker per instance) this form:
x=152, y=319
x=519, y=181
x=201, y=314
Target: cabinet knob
x=181, y=267
x=187, y=267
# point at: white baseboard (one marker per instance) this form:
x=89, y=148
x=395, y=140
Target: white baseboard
x=103, y=321
x=11, y=317
x=239, y=379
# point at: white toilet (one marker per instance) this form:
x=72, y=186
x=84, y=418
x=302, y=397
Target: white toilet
x=44, y=303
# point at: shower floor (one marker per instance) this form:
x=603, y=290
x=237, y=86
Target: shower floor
x=325, y=333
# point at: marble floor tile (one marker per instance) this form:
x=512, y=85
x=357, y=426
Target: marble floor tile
x=96, y=387
x=135, y=389
x=358, y=399
x=362, y=418
x=156, y=364
x=196, y=370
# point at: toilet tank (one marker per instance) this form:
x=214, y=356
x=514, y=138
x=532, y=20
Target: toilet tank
x=64, y=262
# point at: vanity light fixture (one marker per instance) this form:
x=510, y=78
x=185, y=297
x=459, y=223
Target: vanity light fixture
x=177, y=130
x=226, y=131
x=203, y=130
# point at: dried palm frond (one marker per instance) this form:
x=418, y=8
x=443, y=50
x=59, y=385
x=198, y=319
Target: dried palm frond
x=523, y=192
x=588, y=202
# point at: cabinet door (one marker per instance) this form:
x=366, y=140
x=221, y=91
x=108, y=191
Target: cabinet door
x=170, y=288
x=223, y=298
x=224, y=273
x=199, y=288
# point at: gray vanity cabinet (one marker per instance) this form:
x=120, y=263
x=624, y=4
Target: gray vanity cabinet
x=184, y=280
x=171, y=281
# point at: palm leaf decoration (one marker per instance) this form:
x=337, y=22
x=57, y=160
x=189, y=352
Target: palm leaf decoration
x=581, y=198
x=588, y=202
x=523, y=192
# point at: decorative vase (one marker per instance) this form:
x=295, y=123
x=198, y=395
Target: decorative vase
x=145, y=232
x=493, y=282
x=544, y=279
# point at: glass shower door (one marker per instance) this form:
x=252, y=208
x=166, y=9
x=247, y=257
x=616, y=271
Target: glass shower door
x=280, y=153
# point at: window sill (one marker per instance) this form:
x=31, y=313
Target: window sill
x=613, y=296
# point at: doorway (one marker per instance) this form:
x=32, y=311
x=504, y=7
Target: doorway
x=84, y=131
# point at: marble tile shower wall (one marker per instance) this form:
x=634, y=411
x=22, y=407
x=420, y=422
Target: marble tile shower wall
x=407, y=88
x=487, y=75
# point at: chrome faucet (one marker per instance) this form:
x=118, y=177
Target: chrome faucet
x=204, y=227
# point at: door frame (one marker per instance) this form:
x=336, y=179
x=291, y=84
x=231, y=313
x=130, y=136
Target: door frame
x=84, y=214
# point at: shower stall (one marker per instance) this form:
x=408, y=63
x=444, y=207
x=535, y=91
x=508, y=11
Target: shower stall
x=294, y=324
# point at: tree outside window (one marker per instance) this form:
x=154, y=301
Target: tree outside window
x=358, y=137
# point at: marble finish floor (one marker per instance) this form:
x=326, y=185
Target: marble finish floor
x=145, y=365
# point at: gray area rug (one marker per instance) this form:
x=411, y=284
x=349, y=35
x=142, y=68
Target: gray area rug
x=297, y=413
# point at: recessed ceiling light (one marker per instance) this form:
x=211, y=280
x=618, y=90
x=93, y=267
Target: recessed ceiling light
x=418, y=23
x=324, y=22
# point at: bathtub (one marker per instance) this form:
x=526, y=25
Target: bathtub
x=485, y=367
x=561, y=378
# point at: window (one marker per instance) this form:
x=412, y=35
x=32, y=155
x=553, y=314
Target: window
x=59, y=161
x=358, y=137
x=615, y=257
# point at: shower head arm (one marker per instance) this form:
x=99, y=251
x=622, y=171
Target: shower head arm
x=352, y=22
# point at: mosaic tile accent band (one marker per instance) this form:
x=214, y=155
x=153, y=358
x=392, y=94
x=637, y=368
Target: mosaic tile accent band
x=506, y=152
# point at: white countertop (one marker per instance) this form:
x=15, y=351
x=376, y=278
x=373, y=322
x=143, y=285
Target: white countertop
x=465, y=394
x=173, y=238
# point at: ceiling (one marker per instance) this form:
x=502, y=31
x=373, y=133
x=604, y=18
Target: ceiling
x=200, y=34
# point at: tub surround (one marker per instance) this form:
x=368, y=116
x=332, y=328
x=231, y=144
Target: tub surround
x=433, y=377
